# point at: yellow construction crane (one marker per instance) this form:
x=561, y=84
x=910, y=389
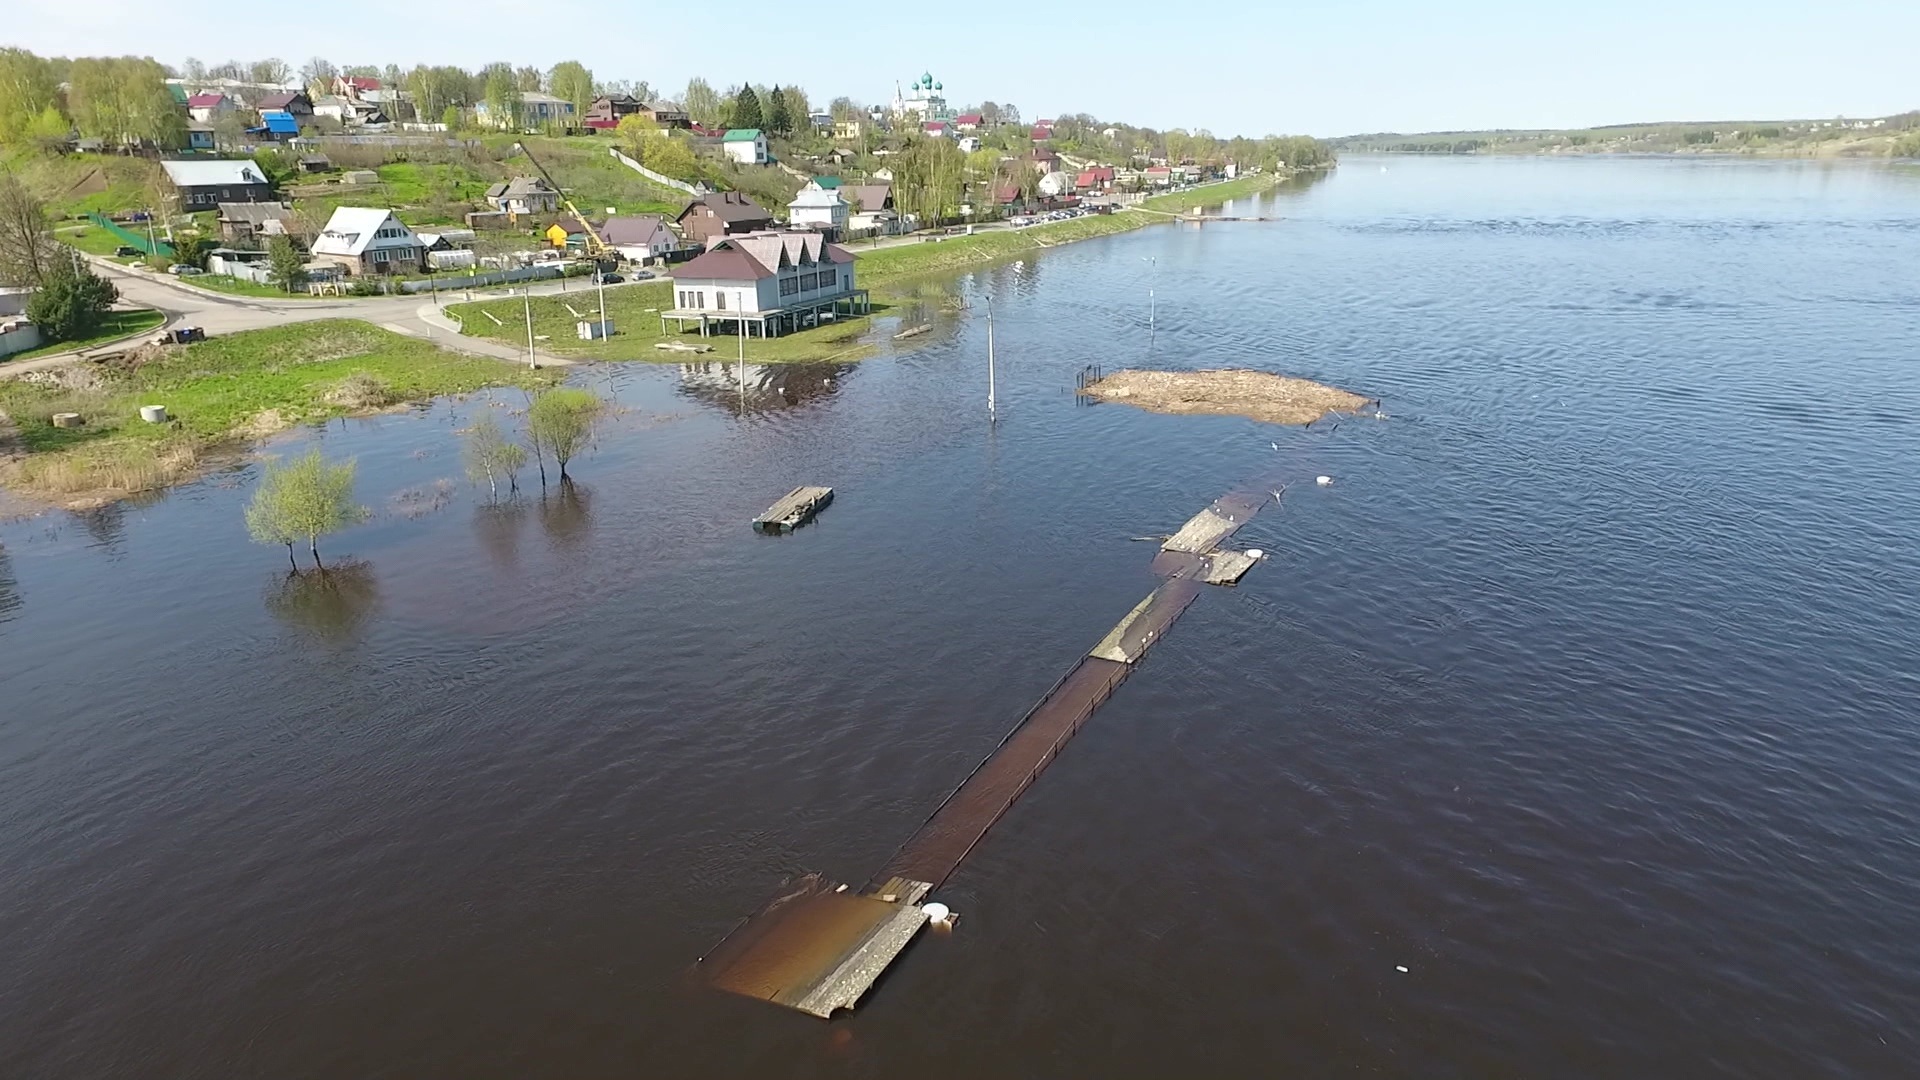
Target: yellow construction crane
x=596, y=247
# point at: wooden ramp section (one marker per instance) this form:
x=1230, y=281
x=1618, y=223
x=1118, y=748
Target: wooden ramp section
x=817, y=947
x=793, y=510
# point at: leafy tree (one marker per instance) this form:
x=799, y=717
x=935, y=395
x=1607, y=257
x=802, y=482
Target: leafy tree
x=192, y=251
x=559, y=422
x=490, y=454
x=50, y=131
x=124, y=100
x=451, y=118
x=286, y=266
x=844, y=109
x=703, y=105
x=71, y=301
x=779, y=121
x=571, y=80
x=745, y=112
x=193, y=70
x=271, y=70
x=637, y=133
x=502, y=95
x=318, y=75
x=528, y=78
x=27, y=248
x=671, y=156
x=27, y=89
x=303, y=498
x=798, y=106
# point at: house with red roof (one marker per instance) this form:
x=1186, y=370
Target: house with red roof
x=206, y=108
x=968, y=122
x=935, y=127
x=352, y=87
x=1094, y=178
x=771, y=280
x=1159, y=176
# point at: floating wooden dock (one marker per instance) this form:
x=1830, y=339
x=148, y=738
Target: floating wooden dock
x=818, y=946
x=793, y=510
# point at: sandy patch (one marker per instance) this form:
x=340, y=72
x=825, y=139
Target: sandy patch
x=1257, y=395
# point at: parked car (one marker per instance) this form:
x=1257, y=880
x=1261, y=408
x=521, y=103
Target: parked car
x=607, y=279
x=183, y=270
x=125, y=252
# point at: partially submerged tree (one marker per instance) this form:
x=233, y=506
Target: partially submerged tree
x=559, y=422
x=490, y=454
x=303, y=498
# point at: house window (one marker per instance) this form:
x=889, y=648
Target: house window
x=380, y=256
x=700, y=299
x=720, y=300
x=808, y=282
x=789, y=286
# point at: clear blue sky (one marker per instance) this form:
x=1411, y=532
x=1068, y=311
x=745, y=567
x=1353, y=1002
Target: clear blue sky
x=1322, y=69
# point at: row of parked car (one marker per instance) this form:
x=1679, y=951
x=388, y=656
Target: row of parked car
x=1025, y=220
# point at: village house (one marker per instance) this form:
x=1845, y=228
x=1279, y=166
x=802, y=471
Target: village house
x=293, y=102
x=849, y=130
x=315, y=163
x=667, y=115
x=332, y=107
x=721, y=213
x=839, y=155
x=1158, y=176
x=608, y=110
x=639, y=237
x=524, y=195
x=354, y=87
x=967, y=122
x=819, y=206
x=200, y=136
x=821, y=120
x=936, y=128
x=1094, y=178
x=205, y=184
x=206, y=108
x=567, y=232
x=276, y=126
x=245, y=223
x=870, y=209
x=535, y=110
x=748, y=146
x=769, y=281
x=364, y=240
x=970, y=143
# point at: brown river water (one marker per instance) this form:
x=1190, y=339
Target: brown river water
x=1570, y=732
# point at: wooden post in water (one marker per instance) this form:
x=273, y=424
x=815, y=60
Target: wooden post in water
x=992, y=415
x=526, y=301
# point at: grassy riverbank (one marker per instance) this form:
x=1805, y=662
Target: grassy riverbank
x=879, y=269
x=216, y=392
x=634, y=311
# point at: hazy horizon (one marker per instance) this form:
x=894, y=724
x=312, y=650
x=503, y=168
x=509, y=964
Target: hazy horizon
x=1376, y=66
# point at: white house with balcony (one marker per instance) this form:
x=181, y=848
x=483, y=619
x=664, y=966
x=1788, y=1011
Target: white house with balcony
x=365, y=240
x=819, y=206
x=766, y=282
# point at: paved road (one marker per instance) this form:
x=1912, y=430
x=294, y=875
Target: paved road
x=222, y=313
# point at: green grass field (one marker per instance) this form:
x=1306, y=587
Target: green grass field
x=233, y=286
x=227, y=388
x=117, y=324
x=633, y=309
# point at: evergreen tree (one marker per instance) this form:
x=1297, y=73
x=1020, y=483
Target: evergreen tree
x=779, y=121
x=286, y=267
x=746, y=110
x=71, y=302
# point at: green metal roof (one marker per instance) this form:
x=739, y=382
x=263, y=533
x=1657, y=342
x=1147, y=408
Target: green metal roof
x=741, y=135
x=179, y=93
x=828, y=182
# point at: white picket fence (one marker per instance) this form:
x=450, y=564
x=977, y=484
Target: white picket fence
x=663, y=181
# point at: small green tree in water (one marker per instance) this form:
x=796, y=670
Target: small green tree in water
x=559, y=422
x=303, y=498
x=491, y=456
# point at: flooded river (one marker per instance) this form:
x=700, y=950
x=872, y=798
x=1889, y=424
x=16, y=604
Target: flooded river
x=1569, y=732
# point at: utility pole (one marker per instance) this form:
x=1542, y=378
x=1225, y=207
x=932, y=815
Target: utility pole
x=993, y=416
x=601, y=278
x=526, y=300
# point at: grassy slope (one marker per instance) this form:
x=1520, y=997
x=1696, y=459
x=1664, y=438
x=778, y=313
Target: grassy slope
x=633, y=310
x=118, y=324
x=218, y=390
x=129, y=183
x=882, y=267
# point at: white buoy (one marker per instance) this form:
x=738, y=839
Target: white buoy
x=1323, y=481
x=1255, y=553
x=936, y=912
x=153, y=414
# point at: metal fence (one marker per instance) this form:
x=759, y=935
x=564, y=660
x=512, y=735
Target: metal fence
x=132, y=239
